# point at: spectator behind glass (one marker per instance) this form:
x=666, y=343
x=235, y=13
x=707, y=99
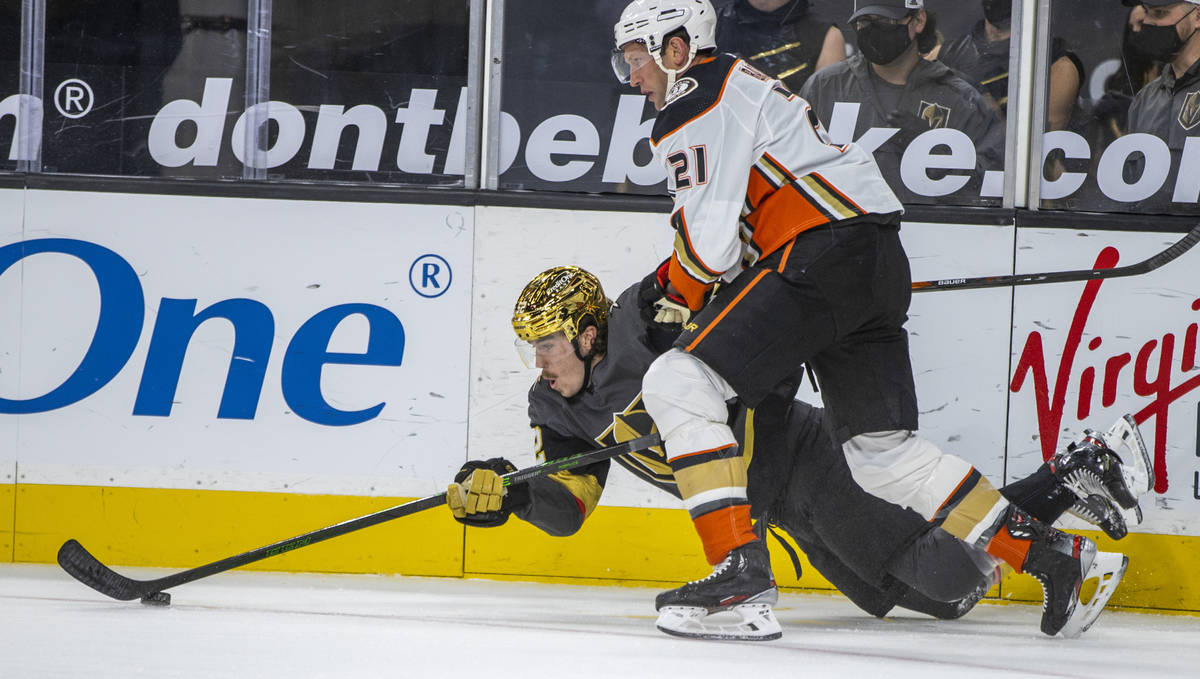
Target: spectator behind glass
x=1108, y=121
x=1168, y=107
x=981, y=56
x=1137, y=68
x=780, y=38
x=897, y=88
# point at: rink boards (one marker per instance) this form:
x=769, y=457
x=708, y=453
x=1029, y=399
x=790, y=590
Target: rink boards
x=187, y=377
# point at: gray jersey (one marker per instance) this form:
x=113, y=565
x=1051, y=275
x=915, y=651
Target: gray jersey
x=934, y=97
x=610, y=410
x=1169, y=107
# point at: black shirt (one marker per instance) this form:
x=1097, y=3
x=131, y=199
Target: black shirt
x=784, y=44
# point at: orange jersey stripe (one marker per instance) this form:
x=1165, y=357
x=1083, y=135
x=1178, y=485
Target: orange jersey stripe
x=786, y=253
x=954, y=492
x=700, y=452
x=693, y=291
x=679, y=223
x=781, y=216
x=706, y=110
x=726, y=310
x=779, y=166
x=829, y=185
x=758, y=188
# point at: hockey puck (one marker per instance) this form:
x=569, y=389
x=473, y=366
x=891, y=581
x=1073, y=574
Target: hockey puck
x=157, y=599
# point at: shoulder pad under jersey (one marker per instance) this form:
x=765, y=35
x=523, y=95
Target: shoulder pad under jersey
x=693, y=94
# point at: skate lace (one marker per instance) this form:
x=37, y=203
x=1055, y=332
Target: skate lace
x=719, y=569
x=1085, y=481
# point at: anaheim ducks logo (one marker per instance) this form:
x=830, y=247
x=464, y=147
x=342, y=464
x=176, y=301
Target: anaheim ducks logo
x=1189, y=113
x=680, y=88
x=935, y=114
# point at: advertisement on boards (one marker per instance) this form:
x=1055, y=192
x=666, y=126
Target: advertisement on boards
x=236, y=344
x=1086, y=353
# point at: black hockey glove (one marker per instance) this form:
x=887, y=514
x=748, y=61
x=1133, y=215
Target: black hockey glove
x=478, y=496
x=659, y=336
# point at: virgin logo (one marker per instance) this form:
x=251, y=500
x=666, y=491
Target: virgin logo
x=1152, y=369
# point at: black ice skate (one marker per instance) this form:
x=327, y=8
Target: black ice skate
x=742, y=583
x=1105, y=487
x=1062, y=562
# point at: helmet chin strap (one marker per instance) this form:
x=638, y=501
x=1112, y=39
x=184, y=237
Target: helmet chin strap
x=587, y=369
x=672, y=73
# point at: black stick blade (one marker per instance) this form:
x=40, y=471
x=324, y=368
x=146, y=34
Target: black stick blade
x=81, y=565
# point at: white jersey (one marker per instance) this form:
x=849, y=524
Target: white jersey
x=750, y=167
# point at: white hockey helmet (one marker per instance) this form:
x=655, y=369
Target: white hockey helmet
x=650, y=21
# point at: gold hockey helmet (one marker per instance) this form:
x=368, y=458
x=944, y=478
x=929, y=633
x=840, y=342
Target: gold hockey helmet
x=560, y=299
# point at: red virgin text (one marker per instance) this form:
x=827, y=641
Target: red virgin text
x=1151, y=370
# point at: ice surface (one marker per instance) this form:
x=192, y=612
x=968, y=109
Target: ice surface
x=252, y=624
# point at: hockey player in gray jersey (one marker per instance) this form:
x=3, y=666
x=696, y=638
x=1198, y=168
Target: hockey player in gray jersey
x=593, y=355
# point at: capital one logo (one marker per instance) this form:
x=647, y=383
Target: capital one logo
x=120, y=323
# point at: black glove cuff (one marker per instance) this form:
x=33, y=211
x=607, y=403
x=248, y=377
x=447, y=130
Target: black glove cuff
x=660, y=336
x=517, y=496
x=484, y=519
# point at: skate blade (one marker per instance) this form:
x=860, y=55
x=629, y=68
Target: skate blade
x=757, y=623
x=1132, y=517
x=1125, y=439
x=1108, y=568
x=1118, y=527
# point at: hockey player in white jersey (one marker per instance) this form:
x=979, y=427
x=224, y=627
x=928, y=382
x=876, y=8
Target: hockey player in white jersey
x=805, y=236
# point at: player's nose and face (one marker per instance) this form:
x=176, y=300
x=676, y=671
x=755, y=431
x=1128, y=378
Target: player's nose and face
x=645, y=75
x=561, y=368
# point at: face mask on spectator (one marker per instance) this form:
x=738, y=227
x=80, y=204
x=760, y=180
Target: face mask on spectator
x=1139, y=43
x=997, y=12
x=881, y=42
x=1162, y=43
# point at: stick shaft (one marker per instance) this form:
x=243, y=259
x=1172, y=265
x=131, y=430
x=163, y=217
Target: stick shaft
x=81, y=565
x=1183, y=245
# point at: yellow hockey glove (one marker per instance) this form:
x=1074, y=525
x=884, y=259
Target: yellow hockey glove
x=478, y=495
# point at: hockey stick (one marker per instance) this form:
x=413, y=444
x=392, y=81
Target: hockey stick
x=84, y=567
x=1141, y=267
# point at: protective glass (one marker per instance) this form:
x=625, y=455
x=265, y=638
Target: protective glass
x=1115, y=140
x=626, y=64
x=546, y=349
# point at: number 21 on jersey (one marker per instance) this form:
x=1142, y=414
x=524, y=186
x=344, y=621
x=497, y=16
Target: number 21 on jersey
x=689, y=168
